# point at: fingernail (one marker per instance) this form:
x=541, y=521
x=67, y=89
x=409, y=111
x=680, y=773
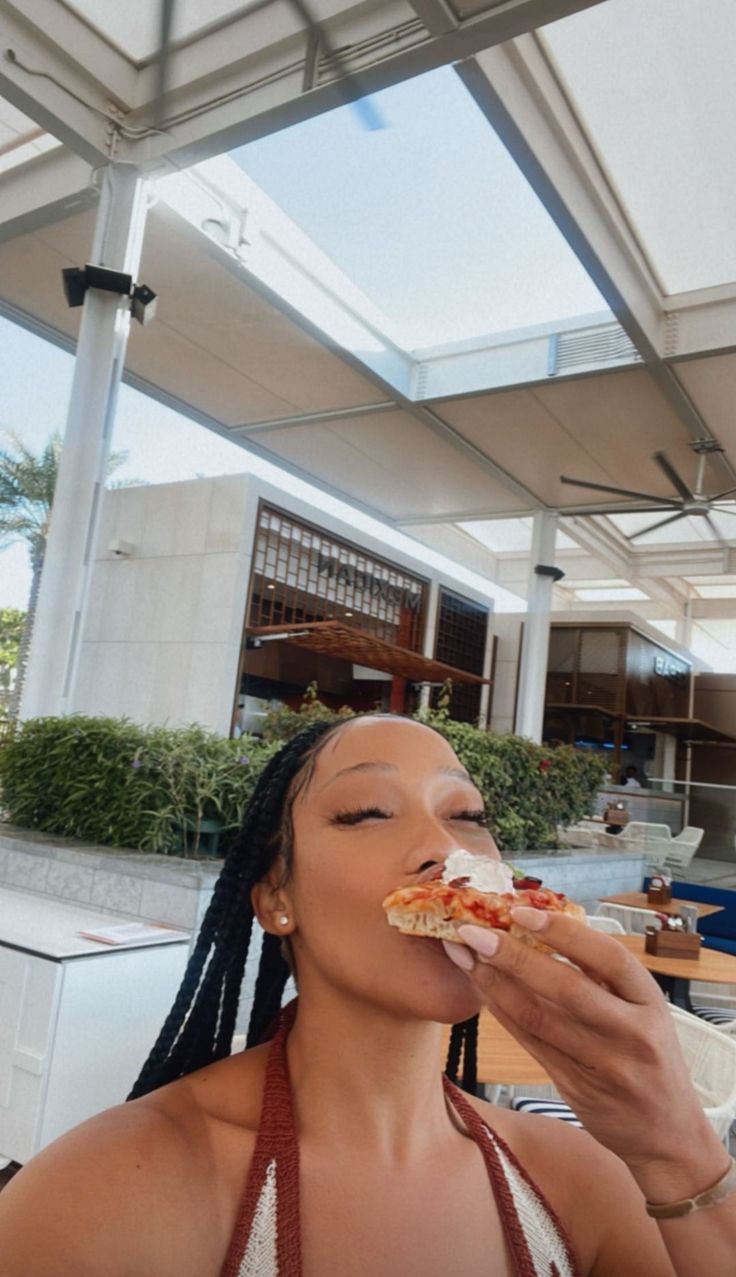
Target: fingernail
x=483, y=941
x=531, y=919
x=458, y=954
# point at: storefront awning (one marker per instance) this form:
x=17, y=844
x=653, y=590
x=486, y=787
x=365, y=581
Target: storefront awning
x=691, y=731
x=333, y=638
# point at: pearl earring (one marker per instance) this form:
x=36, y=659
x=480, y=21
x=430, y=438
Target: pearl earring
x=283, y=920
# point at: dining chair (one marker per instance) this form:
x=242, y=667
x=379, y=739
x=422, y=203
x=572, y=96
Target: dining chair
x=611, y=926
x=634, y=921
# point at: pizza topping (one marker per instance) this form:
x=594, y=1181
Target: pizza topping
x=482, y=873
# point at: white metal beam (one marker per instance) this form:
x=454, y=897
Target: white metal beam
x=713, y=609
x=43, y=191
x=70, y=83
x=253, y=77
x=518, y=91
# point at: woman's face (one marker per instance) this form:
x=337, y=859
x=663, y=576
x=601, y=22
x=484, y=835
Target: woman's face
x=387, y=800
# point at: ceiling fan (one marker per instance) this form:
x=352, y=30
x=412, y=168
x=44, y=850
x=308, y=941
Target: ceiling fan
x=686, y=504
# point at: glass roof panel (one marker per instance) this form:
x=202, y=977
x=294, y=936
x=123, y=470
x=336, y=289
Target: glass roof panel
x=717, y=591
x=683, y=532
x=427, y=214
x=134, y=26
x=666, y=142
x=509, y=536
x=626, y=594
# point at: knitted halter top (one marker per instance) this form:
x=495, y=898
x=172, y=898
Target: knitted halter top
x=266, y=1241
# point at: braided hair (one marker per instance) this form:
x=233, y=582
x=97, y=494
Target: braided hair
x=199, y=1028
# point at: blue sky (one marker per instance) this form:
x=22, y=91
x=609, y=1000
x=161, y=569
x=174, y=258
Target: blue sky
x=429, y=214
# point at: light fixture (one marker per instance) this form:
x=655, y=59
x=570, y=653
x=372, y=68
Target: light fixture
x=271, y=586
x=77, y=279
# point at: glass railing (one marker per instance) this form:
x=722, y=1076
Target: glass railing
x=707, y=806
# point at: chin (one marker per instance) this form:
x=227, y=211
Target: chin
x=436, y=989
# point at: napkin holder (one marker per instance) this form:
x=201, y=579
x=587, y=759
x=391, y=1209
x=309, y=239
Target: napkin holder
x=672, y=944
x=659, y=892
x=616, y=815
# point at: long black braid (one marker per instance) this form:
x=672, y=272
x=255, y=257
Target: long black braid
x=199, y=1028
x=464, y=1045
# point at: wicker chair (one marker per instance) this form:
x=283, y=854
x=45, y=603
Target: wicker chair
x=599, y=922
x=633, y=921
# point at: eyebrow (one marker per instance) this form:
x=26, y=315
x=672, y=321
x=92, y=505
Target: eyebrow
x=458, y=773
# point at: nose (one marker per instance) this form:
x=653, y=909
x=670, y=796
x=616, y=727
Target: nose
x=436, y=846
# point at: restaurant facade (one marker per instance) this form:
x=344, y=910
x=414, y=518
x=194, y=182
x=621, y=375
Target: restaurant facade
x=217, y=600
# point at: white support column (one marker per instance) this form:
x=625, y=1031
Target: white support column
x=533, y=667
x=103, y=336
x=430, y=635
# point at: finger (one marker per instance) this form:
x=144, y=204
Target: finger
x=600, y=956
x=538, y=1019
x=562, y=984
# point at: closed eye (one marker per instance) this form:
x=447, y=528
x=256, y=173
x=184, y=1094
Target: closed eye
x=476, y=817
x=356, y=815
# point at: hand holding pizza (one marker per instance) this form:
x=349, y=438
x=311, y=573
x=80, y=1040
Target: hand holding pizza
x=602, y=1030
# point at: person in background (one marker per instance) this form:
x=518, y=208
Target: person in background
x=631, y=778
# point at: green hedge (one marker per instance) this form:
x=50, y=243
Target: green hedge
x=110, y=782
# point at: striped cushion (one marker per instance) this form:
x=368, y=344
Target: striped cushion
x=716, y=1015
x=547, y=1108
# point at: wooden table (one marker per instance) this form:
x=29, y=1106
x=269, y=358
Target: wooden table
x=638, y=900
x=673, y=975
x=502, y=1061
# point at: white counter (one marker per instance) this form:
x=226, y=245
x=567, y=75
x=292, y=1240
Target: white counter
x=77, y=1017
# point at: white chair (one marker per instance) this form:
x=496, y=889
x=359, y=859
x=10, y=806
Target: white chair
x=710, y=1056
x=611, y=926
x=634, y=921
x=682, y=848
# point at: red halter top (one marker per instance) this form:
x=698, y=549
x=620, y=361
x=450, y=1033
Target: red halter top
x=266, y=1241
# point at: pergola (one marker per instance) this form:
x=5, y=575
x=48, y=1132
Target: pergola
x=115, y=121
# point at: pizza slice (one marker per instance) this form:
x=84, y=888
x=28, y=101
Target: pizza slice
x=472, y=889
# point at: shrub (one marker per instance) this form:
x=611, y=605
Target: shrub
x=111, y=782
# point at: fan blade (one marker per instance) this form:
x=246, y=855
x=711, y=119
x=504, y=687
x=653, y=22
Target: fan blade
x=620, y=492
x=678, y=484
x=725, y=509
x=720, y=496
x=654, y=526
x=714, y=529
x=570, y=512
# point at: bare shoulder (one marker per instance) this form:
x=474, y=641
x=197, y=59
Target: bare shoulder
x=581, y=1180
x=150, y=1187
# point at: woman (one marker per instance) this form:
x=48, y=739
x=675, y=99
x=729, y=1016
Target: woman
x=337, y=1149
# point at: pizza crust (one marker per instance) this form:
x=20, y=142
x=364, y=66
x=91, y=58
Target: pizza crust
x=436, y=909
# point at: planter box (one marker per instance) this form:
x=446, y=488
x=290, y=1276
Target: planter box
x=112, y=879
x=117, y=881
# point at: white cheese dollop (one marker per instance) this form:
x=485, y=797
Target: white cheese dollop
x=483, y=873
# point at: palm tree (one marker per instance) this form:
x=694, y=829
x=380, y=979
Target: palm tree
x=27, y=483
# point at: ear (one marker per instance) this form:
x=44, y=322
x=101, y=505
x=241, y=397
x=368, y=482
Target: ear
x=272, y=903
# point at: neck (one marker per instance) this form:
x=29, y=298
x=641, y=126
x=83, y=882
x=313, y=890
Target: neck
x=362, y=1076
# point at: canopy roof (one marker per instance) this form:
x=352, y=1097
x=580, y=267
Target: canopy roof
x=333, y=638
x=549, y=181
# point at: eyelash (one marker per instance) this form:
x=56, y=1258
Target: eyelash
x=359, y=814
